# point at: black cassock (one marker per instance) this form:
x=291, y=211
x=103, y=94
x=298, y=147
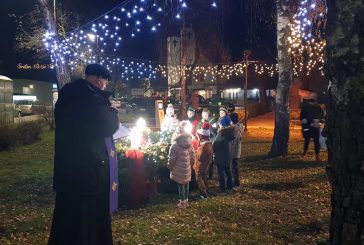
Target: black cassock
x=81, y=179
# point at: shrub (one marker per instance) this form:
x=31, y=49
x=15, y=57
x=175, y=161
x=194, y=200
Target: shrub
x=6, y=139
x=48, y=116
x=22, y=134
x=29, y=133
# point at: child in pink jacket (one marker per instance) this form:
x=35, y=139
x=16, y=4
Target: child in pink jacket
x=180, y=159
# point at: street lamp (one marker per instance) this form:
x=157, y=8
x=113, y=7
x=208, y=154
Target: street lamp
x=247, y=53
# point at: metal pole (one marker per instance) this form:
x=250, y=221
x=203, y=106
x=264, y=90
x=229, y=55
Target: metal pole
x=246, y=94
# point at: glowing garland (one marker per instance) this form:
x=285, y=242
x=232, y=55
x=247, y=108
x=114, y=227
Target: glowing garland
x=134, y=69
x=215, y=72
x=307, y=43
x=90, y=42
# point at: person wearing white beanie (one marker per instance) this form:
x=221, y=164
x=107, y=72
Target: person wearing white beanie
x=170, y=121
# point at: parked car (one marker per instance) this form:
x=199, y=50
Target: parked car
x=215, y=103
x=141, y=106
x=17, y=111
x=202, y=103
x=28, y=107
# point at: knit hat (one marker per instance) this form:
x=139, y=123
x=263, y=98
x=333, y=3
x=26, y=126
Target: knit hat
x=98, y=70
x=224, y=109
x=225, y=121
x=191, y=109
x=234, y=117
x=170, y=109
x=204, y=131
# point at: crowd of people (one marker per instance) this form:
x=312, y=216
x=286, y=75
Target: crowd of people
x=198, y=144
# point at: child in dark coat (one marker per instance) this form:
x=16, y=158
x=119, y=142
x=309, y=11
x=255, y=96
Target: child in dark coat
x=222, y=150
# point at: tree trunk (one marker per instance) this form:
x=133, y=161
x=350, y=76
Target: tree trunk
x=62, y=71
x=346, y=120
x=281, y=127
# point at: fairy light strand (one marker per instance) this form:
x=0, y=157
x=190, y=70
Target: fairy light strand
x=307, y=39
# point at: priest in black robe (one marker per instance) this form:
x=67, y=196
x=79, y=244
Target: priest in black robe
x=84, y=118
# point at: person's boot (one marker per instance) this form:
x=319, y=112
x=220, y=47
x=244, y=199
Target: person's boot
x=185, y=203
x=317, y=158
x=304, y=155
x=181, y=204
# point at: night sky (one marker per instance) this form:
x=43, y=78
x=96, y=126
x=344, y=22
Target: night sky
x=235, y=35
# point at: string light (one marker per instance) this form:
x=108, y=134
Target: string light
x=105, y=34
x=307, y=41
x=129, y=69
x=91, y=42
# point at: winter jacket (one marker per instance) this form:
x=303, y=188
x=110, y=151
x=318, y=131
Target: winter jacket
x=203, y=156
x=221, y=145
x=180, y=159
x=236, y=142
x=84, y=118
x=310, y=112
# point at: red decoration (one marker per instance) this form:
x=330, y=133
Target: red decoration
x=138, y=193
x=134, y=154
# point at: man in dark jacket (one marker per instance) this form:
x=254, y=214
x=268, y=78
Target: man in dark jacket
x=222, y=150
x=311, y=115
x=84, y=120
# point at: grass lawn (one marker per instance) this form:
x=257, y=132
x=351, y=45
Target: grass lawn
x=281, y=201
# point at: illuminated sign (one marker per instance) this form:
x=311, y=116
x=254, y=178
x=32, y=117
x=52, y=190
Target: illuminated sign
x=22, y=66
